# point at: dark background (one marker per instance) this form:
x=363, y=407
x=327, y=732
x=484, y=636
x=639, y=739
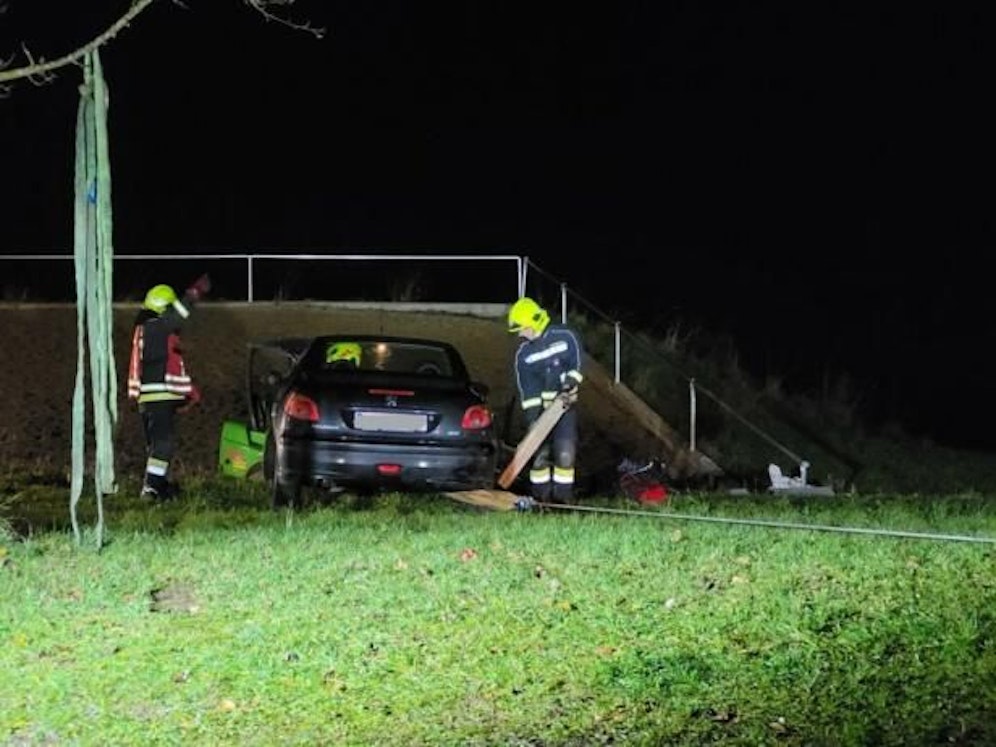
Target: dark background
x=815, y=183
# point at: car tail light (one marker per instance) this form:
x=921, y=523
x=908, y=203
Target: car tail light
x=389, y=470
x=476, y=418
x=300, y=407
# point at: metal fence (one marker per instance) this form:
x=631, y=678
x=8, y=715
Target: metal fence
x=273, y=276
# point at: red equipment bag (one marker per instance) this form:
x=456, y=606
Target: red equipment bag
x=643, y=483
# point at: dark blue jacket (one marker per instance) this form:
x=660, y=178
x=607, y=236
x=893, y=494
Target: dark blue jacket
x=545, y=366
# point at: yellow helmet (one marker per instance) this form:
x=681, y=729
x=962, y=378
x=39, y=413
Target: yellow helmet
x=527, y=313
x=159, y=298
x=344, y=351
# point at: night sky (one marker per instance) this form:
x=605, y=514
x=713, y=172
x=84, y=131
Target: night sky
x=815, y=183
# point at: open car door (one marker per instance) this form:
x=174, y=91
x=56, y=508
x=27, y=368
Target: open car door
x=242, y=444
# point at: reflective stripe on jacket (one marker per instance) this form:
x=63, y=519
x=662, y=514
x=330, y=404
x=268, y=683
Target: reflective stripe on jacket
x=544, y=366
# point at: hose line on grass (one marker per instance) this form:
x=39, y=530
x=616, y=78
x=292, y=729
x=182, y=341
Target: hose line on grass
x=773, y=524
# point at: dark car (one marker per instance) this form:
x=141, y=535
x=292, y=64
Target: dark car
x=363, y=413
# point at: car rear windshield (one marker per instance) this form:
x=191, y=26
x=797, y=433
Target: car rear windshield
x=390, y=357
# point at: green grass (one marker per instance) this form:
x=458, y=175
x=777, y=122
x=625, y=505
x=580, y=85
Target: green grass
x=419, y=621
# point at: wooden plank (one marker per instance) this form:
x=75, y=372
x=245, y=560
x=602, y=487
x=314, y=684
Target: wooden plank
x=535, y=436
x=498, y=500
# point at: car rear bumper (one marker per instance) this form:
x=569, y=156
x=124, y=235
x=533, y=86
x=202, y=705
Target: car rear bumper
x=330, y=465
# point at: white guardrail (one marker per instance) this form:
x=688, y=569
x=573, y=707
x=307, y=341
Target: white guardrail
x=251, y=261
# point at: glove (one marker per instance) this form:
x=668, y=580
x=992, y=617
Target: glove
x=200, y=287
x=193, y=398
x=569, y=386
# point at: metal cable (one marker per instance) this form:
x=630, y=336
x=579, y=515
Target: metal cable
x=772, y=524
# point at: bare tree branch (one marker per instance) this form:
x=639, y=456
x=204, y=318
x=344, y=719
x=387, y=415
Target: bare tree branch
x=41, y=72
x=263, y=6
x=39, y=75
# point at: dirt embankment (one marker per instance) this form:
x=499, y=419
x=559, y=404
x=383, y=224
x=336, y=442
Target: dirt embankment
x=38, y=377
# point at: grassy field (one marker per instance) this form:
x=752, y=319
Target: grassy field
x=403, y=620
x=865, y=618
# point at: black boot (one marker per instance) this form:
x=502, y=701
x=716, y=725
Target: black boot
x=541, y=492
x=563, y=493
x=159, y=489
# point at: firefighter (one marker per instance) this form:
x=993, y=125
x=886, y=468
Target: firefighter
x=547, y=362
x=158, y=379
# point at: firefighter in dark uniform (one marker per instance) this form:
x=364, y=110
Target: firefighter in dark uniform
x=547, y=362
x=158, y=379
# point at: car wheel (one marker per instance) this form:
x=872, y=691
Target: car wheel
x=282, y=492
x=285, y=493
x=269, y=457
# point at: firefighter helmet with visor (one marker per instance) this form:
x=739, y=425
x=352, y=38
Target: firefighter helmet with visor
x=159, y=298
x=350, y=352
x=527, y=314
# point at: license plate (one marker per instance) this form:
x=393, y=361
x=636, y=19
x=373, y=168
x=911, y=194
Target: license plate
x=407, y=422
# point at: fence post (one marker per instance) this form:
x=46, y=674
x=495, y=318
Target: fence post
x=618, y=353
x=691, y=408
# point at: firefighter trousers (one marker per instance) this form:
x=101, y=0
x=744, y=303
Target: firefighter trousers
x=159, y=425
x=551, y=476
